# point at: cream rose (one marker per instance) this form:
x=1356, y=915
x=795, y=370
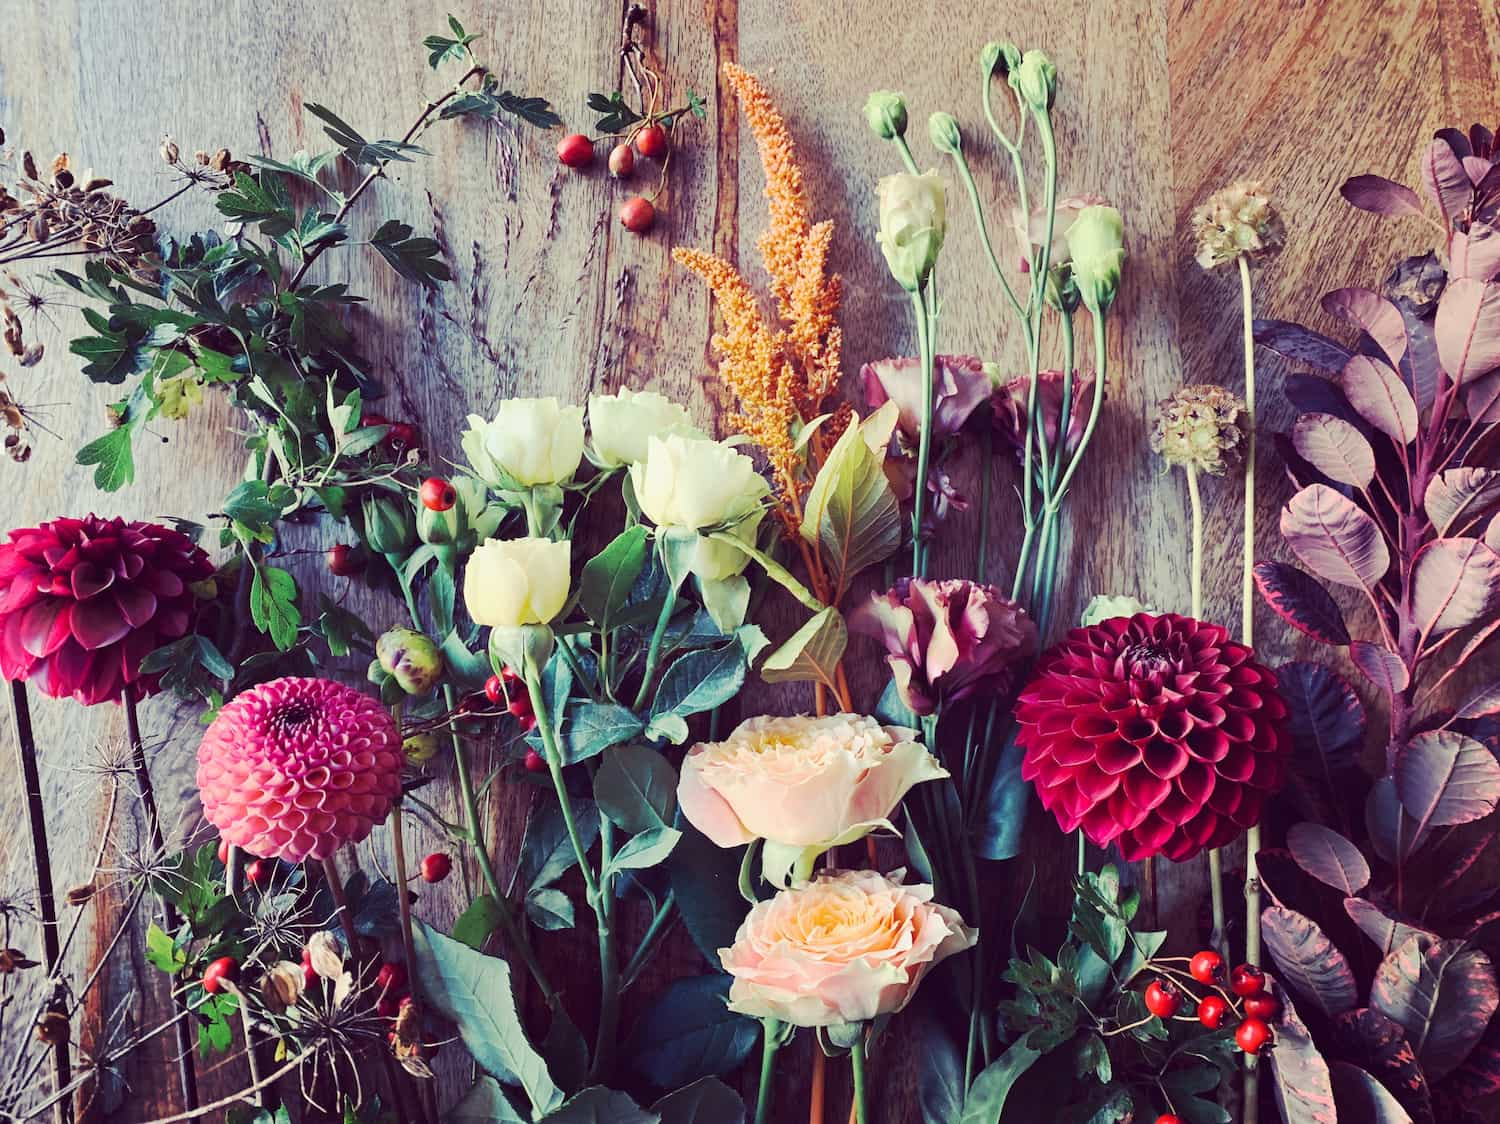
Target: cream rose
x=801, y=784
x=530, y=441
x=843, y=948
x=622, y=424
x=912, y=225
x=688, y=482
x=515, y=582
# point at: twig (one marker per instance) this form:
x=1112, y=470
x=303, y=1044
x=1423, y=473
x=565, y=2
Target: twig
x=236, y=1098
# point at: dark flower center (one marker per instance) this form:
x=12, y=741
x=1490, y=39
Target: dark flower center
x=294, y=714
x=1145, y=660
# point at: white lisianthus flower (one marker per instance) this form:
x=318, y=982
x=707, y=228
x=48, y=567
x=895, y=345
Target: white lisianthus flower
x=1106, y=607
x=622, y=423
x=514, y=582
x=530, y=441
x=912, y=224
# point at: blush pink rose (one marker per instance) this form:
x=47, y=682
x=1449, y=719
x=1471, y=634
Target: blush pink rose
x=801, y=782
x=845, y=947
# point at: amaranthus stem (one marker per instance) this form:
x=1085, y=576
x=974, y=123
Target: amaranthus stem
x=1247, y=632
x=771, y=1030
x=857, y=1067
x=924, y=441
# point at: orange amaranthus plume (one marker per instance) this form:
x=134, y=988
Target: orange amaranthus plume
x=781, y=373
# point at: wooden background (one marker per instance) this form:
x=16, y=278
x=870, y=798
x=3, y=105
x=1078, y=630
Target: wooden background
x=1160, y=103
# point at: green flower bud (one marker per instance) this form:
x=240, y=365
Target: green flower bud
x=1096, y=244
x=1061, y=292
x=912, y=224
x=885, y=110
x=411, y=658
x=942, y=130
x=525, y=647
x=1035, y=80
x=389, y=526
x=1000, y=58
x=420, y=748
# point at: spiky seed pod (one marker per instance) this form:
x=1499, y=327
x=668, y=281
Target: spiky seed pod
x=1203, y=427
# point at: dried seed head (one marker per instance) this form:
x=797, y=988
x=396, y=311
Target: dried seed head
x=79, y=895
x=18, y=447
x=221, y=160
x=96, y=183
x=37, y=229
x=1238, y=219
x=1202, y=427
x=169, y=150
x=12, y=959
x=201, y=157
x=28, y=165
x=324, y=953
x=32, y=355
x=281, y=986
x=52, y=1028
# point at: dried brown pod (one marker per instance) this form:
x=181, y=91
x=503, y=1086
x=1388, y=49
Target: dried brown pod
x=169, y=150
x=282, y=984
x=28, y=166
x=13, y=959
x=80, y=895
x=52, y=1028
x=324, y=955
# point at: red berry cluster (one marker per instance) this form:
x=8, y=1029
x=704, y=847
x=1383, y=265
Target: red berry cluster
x=508, y=690
x=1246, y=999
x=391, y=990
x=401, y=435
x=437, y=494
x=637, y=213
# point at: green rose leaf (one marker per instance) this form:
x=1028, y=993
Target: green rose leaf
x=689, y=1033
x=590, y=728
x=644, y=850
x=636, y=788
x=706, y=1101
x=598, y=1105
x=701, y=680
x=549, y=909
x=607, y=579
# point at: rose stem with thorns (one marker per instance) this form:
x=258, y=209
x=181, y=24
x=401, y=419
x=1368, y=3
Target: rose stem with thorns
x=41, y=857
x=186, y=1070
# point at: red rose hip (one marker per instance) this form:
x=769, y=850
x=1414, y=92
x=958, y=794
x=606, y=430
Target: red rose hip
x=1169, y=1118
x=1207, y=967
x=1212, y=1011
x=391, y=978
x=637, y=214
x=575, y=150
x=535, y=762
x=222, y=970
x=259, y=873
x=437, y=494
x=1163, y=998
x=1247, y=980
x=494, y=690
x=1251, y=1035
x=342, y=560
x=621, y=161
x=436, y=867
x=1262, y=1006
x=652, y=142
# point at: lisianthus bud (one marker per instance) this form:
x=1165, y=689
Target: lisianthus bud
x=621, y=424
x=1035, y=79
x=1000, y=58
x=1203, y=427
x=1106, y=607
x=912, y=224
x=885, y=110
x=1096, y=243
x=389, y=525
x=942, y=130
x=530, y=441
x=513, y=582
x=411, y=659
x=947, y=640
x=1237, y=220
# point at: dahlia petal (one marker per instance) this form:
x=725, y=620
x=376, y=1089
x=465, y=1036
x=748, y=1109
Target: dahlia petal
x=98, y=624
x=1165, y=759
x=90, y=579
x=45, y=627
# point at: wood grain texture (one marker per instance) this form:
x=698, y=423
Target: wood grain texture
x=1162, y=101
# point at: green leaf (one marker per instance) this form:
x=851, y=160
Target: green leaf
x=644, y=850
x=590, y=728
x=546, y=850
x=668, y=727
x=441, y=48
x=566, y=1051
x=273, y=605
x=689, y=1032
x=705, y=880
x=478, y=921
x=550, y=909
x=636, y=788
x=250, y=200
x=706, y=1101
x=416, y=259
x=598, y=1105
x=851, y=513
x=485, y=1103
x=357, y=150
x=701, y=680
x=811, y=654
x=162, y=951
x=475, y=992
x=986, y=1099
x=616, y=115
x=606, y=581
x=113, y=456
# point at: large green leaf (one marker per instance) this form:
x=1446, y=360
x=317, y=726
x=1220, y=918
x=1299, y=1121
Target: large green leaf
x=986, y=1098
x=705, y=879
x=598, y=1105
x=706, y=1101
x=606, y=581
x=851, y=513
x=690, y=1032
x=590, y=728
x=701, y=680
x=1442, y=993
x=636, y=788
x=546, y=851
x=475, y=992
x=485, y=1103
x=812, y=653
x=644, y=850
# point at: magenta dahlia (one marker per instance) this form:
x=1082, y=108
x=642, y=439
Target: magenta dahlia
x=84, y=601
x=295, y=768
x=1157, y=733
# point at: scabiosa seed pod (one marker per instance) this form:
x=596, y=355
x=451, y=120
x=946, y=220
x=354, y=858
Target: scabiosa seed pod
x=1202, y=427
x=1156, y=733
x=1238, y=219
x=84, y=601
x=295, y=768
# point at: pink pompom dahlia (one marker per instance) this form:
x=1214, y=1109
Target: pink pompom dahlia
x=295, y=768
x=84, y=601
x=1158, y=733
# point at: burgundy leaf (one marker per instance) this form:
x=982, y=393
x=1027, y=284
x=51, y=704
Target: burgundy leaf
x=1308, y=962
x=1475, y=252
x=1468, y=328
x=1479, y=1075
x=1328, y=857
x=1457, y=496
x=1323, y=714
x=1335, y=448
x=1361, y=1097
x=1298, y=599
x=1442, y=993
x=1392, y=832
x=1446, y=181
x=1386, y=931
x=1482, y=704
x=1380, y=666
x=1492, y=534
x=1420, y=366
x=1444, y=778
x=1335, y=539
x=1382, y=399
x=1464, y=861
x=1457, y=140
x=1455, y=583
x=1482, y=396
x=1302, y=344
x=1380, y=1046
x=1373, y=314
x=1287, y=884
x=1303, y=1085
x=1313, y=394
x=1380, y=195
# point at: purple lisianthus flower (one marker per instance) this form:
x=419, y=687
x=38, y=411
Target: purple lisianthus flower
x=960, y=386
x=947, y=640
x=1010, y=400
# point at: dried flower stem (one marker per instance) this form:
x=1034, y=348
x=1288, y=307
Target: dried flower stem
x=41, y=858
x=408, y=945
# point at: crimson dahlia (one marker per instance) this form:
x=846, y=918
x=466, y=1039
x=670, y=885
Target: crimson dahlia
x=1156, y=733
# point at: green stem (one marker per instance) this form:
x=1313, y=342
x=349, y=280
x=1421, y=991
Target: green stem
x=1195, y=501
x=924, y=440
x=552, y=752
x=1065, y=410
x=984, y=231
x=659, y=927
x=1218, y=939
x=857, y=1068
x=986, y=470
x=771, y=1042
x=653, y=652
x=1101, y=363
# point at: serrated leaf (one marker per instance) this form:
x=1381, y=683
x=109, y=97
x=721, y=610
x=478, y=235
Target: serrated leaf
x=416, y=259
x=701, y=680
x=598, y=1105
x=636, y=788
x=273, y=605
x=589, y=728
x=607, y=578
x=647, y=849
x=706, y=1101
x=113, y=457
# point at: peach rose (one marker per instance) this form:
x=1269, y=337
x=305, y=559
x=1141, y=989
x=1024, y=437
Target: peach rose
x=843, y=948
x=801, y=784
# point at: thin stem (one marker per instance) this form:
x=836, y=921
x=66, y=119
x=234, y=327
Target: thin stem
x=1195, y=501
x=1101, y=363
x=341, y=904
x=41, y=856
x=857, y=1068
x=186, y=1070
x=661, y=925
x=984, y=232
x=986, y=471
x=1218, y=939
x=770, y=1043
x=924, y=440
x=653, y=651
x=408, y=945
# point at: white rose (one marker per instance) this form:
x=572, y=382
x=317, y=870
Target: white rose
x=622, y=423
x=531, y=441
x=515, y=582
x=685, y=482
